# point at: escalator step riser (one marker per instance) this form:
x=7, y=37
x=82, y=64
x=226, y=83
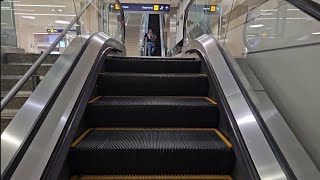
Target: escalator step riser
x=152, y=112
x=126, y=84
x=152, y=152
x=153, y=66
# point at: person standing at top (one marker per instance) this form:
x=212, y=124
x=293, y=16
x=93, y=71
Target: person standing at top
x=151, y=38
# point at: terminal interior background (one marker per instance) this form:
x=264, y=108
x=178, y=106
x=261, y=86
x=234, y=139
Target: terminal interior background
x=257, y=34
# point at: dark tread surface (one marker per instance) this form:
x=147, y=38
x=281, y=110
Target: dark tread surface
x=144, y=84
x=152, y=111
x=152, y=151
x=144, y=65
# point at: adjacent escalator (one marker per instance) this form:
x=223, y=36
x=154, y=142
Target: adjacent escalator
x=151, y=119
x=154, y=24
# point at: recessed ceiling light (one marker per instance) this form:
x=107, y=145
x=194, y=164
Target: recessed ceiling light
x=38, y=5
x=62, y=22
x=316, y=33
x=266, y=14
x=256, y=25
x=293, y=9
x=28, y=17
x=60, y=10
x=267, y=10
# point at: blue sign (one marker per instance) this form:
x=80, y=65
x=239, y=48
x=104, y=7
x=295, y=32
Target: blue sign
x=161, y=8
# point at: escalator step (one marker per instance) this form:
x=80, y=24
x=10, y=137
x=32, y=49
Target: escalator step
x=149, y=58
x=152, y=111
x=155, y=65
x=154, y=177
x=178, y=151
x=143, y=84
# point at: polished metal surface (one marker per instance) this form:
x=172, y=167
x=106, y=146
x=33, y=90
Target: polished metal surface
x=296, y=156
x=22, y=124
x=40, y=60
x=261, y=153
x=143, y=30
x=163, y=53
x=44, y=142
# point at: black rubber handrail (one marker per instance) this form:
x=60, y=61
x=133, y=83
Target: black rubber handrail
x=308, y=6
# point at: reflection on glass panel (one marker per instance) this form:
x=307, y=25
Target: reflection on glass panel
x=281, y=27
x=33, y=26
x=277, y=46
x=205, y=17
x=8, y=35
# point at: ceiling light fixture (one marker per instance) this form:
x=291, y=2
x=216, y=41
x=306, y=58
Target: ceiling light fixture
x=316, y=33
x=267, y=10
x=39, y=5
x=18, y=10
x=256, y=26
x=62, y=22
x=5, y=7
x=60, y=10
x=28, y=17
x=266, y=14
x=31, y=14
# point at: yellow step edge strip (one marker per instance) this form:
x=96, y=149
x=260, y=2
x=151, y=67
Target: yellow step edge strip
x=212, y=101
x=94, y=99
x=78, y=140
x=154, y=177
x=225, y=140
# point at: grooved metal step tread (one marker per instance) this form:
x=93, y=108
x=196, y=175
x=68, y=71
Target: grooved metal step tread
x=152, y=111
x=146, y=84
x=152, y=151
x=152, y=100
x=151, y=177
x=144, y=65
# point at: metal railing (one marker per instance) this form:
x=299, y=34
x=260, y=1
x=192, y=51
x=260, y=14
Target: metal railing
x=15, y=89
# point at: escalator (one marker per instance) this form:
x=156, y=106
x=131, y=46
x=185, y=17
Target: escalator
x=152, y=119
x=154, y=24
x=100, y=114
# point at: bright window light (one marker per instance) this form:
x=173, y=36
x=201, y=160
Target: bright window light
x=256, y=25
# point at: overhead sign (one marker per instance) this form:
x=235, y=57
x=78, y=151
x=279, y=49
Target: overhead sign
x=205, y=8
x=51, y=30
x=54, y=30
x=161, y=8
